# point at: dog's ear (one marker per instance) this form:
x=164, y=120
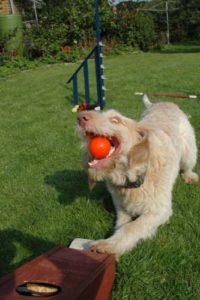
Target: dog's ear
x=139, y=155
x=140, y=151
x=91, y=183
x=142, y=134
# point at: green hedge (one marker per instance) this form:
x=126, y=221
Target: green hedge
x=11, y=36
x=74, y=25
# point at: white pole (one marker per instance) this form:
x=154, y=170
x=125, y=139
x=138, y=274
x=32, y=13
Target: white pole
x=12, y=7
x=167, y=21
x=35, y=11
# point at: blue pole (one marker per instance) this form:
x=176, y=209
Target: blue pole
x=86, y=82
x=99, y=59
x=75, y=89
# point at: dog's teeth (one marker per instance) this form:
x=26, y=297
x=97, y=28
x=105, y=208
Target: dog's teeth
x=93, y=162
x=111, y=151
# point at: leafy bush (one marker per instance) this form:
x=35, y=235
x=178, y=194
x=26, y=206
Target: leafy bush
x=45, y=39
x=129, y=27
x=9, y=66
x=68, y=57
x=4, y=38
x=74, y=24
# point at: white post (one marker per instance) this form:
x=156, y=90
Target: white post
x=35, y=11
x=167, y=21
x=12, y=5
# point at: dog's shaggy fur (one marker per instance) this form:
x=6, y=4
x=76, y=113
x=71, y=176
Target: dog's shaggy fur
x=141, y=169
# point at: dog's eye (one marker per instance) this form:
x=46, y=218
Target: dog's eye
x=115, y=120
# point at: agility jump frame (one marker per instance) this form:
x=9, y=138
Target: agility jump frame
x=99, y=67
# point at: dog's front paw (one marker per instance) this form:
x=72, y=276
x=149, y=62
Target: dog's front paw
x=103, y=246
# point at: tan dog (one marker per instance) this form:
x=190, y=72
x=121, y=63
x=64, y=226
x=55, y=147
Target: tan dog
x=141, y=168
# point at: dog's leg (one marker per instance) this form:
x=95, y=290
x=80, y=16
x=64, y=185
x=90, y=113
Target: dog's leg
x=190, y=177
x=122, y=218
x=126, y=237
x=188, y=162
x=189, y=156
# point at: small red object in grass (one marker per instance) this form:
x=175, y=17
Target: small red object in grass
x=66, y=49
x=99, y=147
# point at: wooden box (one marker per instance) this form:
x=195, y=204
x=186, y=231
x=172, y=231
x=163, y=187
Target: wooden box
x=71, y=274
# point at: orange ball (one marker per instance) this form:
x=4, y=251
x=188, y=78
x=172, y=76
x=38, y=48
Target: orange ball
x=99, y=147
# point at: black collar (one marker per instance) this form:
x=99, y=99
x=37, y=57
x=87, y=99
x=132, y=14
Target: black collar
x=133, y=184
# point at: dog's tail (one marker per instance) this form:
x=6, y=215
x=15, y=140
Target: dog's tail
x=146, y=101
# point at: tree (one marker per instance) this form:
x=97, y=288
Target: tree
x=189, y=18
x=184, y=19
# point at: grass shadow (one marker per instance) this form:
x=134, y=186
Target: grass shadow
x=10, y=238
x=69, y=184
x=72, y=184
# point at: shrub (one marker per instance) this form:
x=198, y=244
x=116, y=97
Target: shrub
x=45, y=39
x=129, y=27
x=74, y=23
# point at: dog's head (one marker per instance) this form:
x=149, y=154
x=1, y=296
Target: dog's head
x=127, y=140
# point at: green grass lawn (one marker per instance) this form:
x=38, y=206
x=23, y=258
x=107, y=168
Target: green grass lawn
x=44, y=197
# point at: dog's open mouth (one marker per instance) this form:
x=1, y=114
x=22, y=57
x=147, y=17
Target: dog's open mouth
x=103, y=162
